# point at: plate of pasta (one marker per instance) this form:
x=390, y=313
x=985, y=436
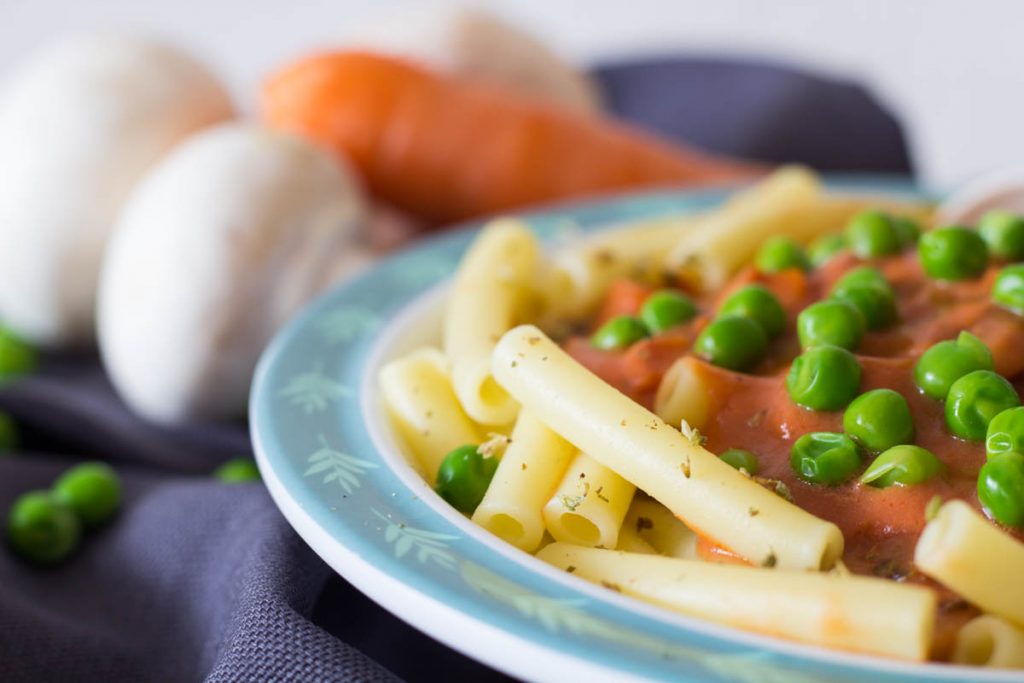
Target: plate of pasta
x=766, y=433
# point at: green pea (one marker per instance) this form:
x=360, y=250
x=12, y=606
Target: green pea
x=238, y=471
x=1001, y=488
x=907, y=231
x=463, y=478
x=42, y=528
x=953, y=253
x=834, y=321
x=878, y=420
x=824, y=458
x=665, y=309
x=871, y=234
x=92, y=490
x=861, y=275
x=17, y=357
x=902, y=465
x=760, y=305
x=8, y=433
x=948, y=361
x=1003, y=232
x=974, y=400
x=1005, y=433
x=780, y=253
x=618, y=333
x=1008, y=290
x=871, y=293
x=741, y=459
x=732, y=342
x=824, y=248
x=823, y=378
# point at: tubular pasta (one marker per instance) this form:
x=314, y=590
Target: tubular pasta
x=656, y=524
x=963, y=550
x=990, y=641
x=533, y=464
x=419, y=400
x=579, y=275
x=707, y=494
x=632, y=542
x=492, y=292
x=730, y=237
x=856, y=613
x=589, y=504
x=788, y=203
x=683, y=396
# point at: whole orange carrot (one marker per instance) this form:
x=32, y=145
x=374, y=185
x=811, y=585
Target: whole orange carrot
x=447, y=149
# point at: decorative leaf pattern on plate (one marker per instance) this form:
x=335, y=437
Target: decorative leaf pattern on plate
x=425, y=546
x=342, y=325
x=313, y=391
x=757, y=667
x=555, y=614
x=558, y=615
x=337, y=466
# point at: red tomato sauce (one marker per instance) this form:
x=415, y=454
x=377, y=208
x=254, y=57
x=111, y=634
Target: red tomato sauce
x=754, y=411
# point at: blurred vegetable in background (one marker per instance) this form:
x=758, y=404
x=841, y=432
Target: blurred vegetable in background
x=448, y=149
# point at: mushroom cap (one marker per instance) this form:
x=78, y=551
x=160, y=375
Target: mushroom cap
x=219, y=244
x=80, y=122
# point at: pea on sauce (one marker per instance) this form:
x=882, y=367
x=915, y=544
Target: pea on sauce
x=752, y=410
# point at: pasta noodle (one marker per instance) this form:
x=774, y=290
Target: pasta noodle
x=533, y=464
x=849, y=612
x=706, y=493
x=790, y=202
x=492, y=292
x=655, y=524
x=578, y=276
x=419, y=400
x=682, y=395
x=990, y=641
x=963, y=550
x=729, y=237
x=589, y=505
x=631, y=541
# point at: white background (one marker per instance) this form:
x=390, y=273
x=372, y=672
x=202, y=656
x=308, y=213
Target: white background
x=953, y=69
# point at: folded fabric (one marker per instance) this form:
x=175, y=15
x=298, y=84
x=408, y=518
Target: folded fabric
x=200, y=579
x=759, y=111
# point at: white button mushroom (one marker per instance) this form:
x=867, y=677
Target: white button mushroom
x=80, y=122
x=476, y=44
x=217, y=247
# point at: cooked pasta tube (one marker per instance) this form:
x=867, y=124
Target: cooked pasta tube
x=683, y=395
x=492, y=290
x=990, y=641
x=631, y=541
x=533, y=465
x=589, y=504
x=419, y=400
x=854, y=613
x=711, y=497
x=654, y=523
x=578, y=276
x=961, y=549
x=729, y=237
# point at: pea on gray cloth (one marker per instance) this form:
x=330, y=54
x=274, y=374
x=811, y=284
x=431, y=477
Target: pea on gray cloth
x=197, y=579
